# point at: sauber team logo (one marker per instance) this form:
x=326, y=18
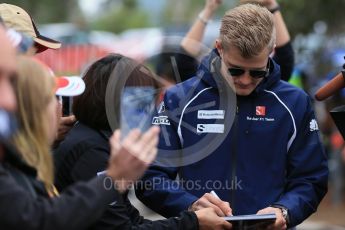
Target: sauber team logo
x=210, y=128
x=260, y=111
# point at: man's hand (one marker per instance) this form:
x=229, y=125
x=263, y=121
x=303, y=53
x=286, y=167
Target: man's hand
x=211, y=6
x=222, y=208
x=130, y=159
x=208, y=219
x=280, y=223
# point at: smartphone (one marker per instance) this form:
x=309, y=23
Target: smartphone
x=137, y=108
x=67, y=103
x=255, y=221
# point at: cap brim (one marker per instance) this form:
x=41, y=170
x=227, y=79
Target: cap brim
x=69, y=86
x=47, y=42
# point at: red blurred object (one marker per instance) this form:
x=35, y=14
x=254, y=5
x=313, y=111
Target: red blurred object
x=72, y=59
x=331, y=87
x=337, y=140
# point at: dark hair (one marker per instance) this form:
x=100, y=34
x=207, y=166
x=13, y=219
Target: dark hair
x=175, y=65
x=90, y=107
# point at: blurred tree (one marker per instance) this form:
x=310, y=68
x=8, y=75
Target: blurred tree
x=48, y=11
x=301, y=16
x=121, y=15
x=180, y=12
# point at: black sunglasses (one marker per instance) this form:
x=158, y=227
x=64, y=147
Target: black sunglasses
x=236, y=72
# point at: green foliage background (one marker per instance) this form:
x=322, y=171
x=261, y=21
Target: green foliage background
x=119, y=15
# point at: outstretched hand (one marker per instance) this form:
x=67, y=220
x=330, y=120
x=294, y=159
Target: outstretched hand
x=212, y=5
x=131, y=157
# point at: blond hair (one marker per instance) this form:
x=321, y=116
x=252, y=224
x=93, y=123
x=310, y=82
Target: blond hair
x=249, y=28
x=34, y=89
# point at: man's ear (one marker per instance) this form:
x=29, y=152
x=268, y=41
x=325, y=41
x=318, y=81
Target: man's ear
x=219, y=47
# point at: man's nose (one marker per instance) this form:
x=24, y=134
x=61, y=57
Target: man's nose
x=245, y=78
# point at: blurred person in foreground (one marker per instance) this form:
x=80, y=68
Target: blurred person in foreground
x=25, y=202
x=18, y=19
x=269, y=151
x=85, y=151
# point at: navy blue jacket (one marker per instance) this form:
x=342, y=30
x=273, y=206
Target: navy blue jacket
x=254, y=151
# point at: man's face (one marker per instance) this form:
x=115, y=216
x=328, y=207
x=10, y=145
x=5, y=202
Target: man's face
x=7, y=72
x=244, y=83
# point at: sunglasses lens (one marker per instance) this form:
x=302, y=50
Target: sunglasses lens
x=258, y=73
x=235, y=72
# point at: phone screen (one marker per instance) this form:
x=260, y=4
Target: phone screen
x=137, y=108
x=67, y=106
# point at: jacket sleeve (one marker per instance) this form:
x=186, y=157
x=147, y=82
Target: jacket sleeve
x=122, y=214
x=132, y=220
x=158, y=188
x=185, y=221
x=307, y=170
x=285, y=57
x=77, y=208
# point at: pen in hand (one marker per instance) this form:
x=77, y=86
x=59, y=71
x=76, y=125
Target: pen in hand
x=215, y=195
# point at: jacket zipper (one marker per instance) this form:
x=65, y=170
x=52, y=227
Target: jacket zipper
x=234, y=158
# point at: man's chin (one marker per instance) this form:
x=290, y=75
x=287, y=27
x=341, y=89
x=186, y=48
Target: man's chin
x=243, y=92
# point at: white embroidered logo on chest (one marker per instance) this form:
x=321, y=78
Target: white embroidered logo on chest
x=211, y=114
x=210, y=128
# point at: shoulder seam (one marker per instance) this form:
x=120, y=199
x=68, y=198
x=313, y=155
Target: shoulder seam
x=179, y=133
x=292, y=118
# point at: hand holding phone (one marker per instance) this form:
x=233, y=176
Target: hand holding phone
x=137, y=108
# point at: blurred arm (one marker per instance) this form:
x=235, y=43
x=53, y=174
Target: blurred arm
x=191, y=42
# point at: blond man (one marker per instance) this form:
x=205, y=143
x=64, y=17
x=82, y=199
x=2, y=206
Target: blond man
x=239, y=130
